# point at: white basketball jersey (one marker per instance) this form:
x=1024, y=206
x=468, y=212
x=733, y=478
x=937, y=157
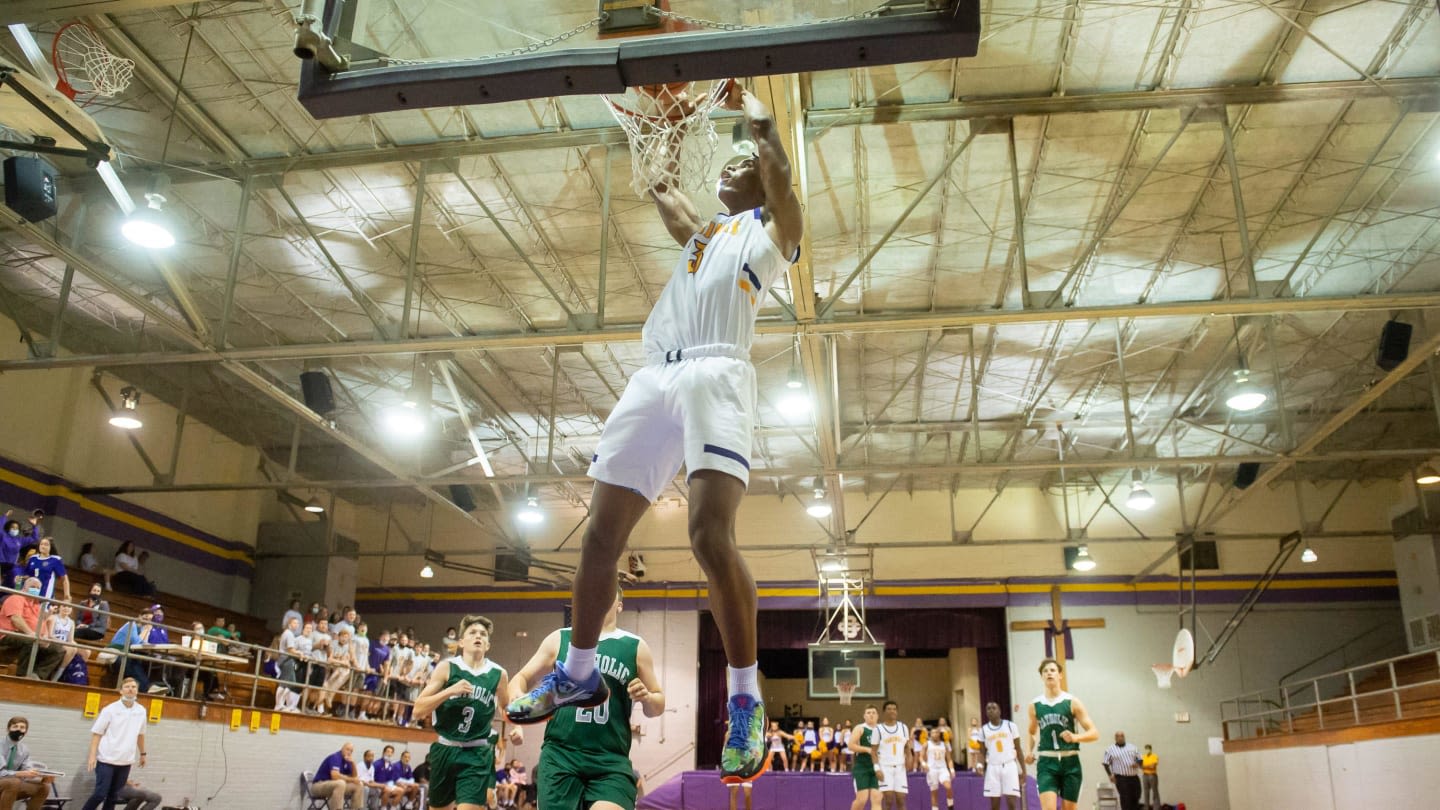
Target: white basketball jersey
x=893, y=740
x=1000, y=742
x=717, y=287
x=937, y=754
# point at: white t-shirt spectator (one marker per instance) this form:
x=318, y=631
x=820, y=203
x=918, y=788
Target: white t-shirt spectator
x=124, y=562
x=89, y=563
x=290, y=644
x=320, y=646
x=365, y=772
x=360, y=645
x=291, y=614
x=119, y=726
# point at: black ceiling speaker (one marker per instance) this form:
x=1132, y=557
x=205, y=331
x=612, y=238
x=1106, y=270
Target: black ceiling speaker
x=1394, y=345
x=1245, y=474
x=30, y=188
x=512, y=567
x=316, y=388
x=461, y=496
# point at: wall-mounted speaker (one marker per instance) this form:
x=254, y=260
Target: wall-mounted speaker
x=315, y=386
x=1394, y=345
x=1245, y=474
x=512, y=567
x=30, y=188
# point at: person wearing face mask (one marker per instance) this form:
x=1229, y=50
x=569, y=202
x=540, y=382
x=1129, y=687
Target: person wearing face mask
x=11, y=540
x=117, y=742
x=20, y=619
x=93, y=621
x=19, y=777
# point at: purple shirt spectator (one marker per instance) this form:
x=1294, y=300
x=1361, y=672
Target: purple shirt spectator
x=330, y=765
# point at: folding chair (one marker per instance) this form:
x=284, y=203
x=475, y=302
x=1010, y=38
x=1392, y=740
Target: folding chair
x=1106, y=797
x=314, y=802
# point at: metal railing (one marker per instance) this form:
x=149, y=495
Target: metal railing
x=193, y=663
x=1334, y=700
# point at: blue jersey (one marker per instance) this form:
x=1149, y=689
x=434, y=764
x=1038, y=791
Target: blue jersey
x=47, y=570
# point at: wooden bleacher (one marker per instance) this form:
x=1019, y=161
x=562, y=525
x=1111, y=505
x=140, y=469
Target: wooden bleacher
x=1419, y=697
x=179, y=611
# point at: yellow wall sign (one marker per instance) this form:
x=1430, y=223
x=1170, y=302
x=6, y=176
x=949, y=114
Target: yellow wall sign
x=254, y=721
x=157, y=708
x=235, y=717
x=92, y=705
x=275, y=723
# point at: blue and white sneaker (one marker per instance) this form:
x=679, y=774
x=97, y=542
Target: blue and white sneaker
x=557, y=691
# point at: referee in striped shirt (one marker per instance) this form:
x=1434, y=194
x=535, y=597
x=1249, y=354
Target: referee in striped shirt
x=1122, y=762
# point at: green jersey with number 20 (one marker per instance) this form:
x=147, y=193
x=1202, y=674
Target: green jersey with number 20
x=605, y=728
x=467, y=718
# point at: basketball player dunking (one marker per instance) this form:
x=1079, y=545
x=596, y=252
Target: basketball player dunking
x=693, y=402
x=462, y=693
x=1054, y=717
x=585, y=759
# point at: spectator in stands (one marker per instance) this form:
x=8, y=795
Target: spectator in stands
x=128, y=636
x=341, y=664
x=49, y=568
x=20, y=621
x=117, y=741
x=218, y=629
x=129, y=577
x=291, y=662
x=209, y=683
x=18, y=776
x=402, y=657
x=90, y=564
x=452, y=642
x=347, y=621
x=14, y=538
x=318, y=612
x=93, y=622
x=304, y=649
x=335, y=780
x=137, y=797
x=319, y=657
x=59, y=628
x=158, y=634
x=292, y=613
x=360, y=650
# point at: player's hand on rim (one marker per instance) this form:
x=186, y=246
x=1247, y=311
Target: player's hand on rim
x=734, y=96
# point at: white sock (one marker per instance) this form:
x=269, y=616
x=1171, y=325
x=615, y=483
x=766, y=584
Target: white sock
x=744, y=680
x=580, y=663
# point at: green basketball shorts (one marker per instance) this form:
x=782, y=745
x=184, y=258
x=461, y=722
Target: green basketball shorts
x=571, y=778
x=461, y=775
x=1059, y=775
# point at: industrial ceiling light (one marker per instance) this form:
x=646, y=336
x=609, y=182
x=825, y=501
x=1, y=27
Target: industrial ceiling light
x=1245, y=395
x=740, y=139
x=148, y=226
x=1083, y=560
x=530, y=513
x=832, y=565
x=1140, y=497
x=427, y=572
x=127, y=418
x=1427, y=475
x=819, y=508
x=1308, y=555
x=314, y=506
x=405, y=420
x=794, y=381
x=794, y=404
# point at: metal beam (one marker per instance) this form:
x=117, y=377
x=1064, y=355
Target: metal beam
x=1423, y=87
x=896, y=468
x=39, y=11
x=903, y=322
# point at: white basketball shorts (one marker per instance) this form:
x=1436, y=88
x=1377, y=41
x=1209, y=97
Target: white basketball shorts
x=1002, y=779
x=698, y=411
x=935, y=777
x=894, y=779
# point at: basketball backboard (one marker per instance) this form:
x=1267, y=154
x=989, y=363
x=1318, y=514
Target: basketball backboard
x=860, y=664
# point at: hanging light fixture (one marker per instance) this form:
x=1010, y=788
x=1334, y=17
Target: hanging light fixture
x=740, y=139
x=530, y=513
x=819, y=508
x=1427, y=475
x=148, y=226
x=127, y=418
x=427, y=572
x=1308, y=555
x=1139, y=497
x=314, y=506
x=409, y=418
x=1244, y=395
x=1083, y=560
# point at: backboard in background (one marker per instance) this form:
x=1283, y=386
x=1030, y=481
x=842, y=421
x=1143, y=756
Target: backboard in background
x=861, y=664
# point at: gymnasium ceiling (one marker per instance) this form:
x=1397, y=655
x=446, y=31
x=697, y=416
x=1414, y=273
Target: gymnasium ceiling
x=961, y=356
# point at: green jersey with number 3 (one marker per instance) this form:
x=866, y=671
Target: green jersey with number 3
x=467, y=719
x=605, y=728
x=1053, y=718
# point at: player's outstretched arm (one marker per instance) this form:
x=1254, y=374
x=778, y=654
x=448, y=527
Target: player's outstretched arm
x=1082, y=717
x=536, y=668
x=677, y=212
x=785, y=221
x=435, y=691
x=645, y=688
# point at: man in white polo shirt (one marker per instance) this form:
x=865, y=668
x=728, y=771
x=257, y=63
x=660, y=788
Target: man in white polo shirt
x=117, y=741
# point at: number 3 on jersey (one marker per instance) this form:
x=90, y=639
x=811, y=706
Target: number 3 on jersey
x=600, y=715
x=468, y=715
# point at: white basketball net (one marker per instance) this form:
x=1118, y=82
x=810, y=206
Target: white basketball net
x=847, y=692
x=87, y=66
x=1163, y=673
x=672, y=140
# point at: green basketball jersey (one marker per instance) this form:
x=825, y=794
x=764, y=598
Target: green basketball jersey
x=467, y=719
x=1055, y=718
x=605, y=728
x=864, y=763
